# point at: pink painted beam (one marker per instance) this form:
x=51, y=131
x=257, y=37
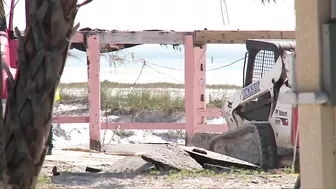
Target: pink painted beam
x=211, y=128
x=210, y=112
x=77, y=38
x=163, y=126
x=189, y=72
x=71, y=119
x=195, y=85
x=199, y=81
x=93, y=66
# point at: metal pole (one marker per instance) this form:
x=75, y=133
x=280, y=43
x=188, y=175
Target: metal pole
x=333, y=9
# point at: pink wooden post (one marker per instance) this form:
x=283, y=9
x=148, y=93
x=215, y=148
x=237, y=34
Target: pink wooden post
x=93, y=66
x=194, y=85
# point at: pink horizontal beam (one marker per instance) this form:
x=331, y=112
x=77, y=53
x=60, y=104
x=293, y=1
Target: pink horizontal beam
x=211, y=128
x=77, y=38
x=215, y=112
x=163, y=126
x=71, y=119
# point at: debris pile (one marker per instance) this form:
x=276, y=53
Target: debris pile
x=165, y=157
x=174, y=157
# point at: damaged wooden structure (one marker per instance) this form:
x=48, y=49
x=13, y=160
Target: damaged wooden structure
x=195, y=75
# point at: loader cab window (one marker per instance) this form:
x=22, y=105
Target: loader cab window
x=257, y=64
x=264, y=61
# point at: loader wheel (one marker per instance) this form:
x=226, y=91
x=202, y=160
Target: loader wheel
x=265, y=143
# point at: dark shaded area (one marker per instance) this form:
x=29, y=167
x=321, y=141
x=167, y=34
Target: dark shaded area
x=297, y=183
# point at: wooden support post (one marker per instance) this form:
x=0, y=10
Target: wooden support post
x=93, y=66
x=194, y=85
x=188, y=87
x=200, y=84
x=316, y=122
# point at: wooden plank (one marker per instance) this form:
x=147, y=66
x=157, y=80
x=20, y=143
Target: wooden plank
x=163, y=126
x=238, y=36
x=142, y=37
x=70, y=119
x=176, y=37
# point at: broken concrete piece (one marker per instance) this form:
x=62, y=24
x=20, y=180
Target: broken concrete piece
x=203, y=156
x=173, y=157
x=134, y=164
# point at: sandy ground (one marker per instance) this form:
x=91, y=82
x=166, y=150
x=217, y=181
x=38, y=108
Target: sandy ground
x=71, y=166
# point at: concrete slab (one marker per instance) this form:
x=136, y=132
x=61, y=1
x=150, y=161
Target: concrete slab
x=82, y=158
x=171, y=156
x=132, y=149
x=132, y=164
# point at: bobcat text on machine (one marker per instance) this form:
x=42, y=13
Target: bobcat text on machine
x=262, y=130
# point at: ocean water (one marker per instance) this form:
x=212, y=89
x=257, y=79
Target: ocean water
x=155, y=63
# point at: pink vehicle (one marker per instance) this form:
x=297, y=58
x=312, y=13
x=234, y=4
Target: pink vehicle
x=9, y=46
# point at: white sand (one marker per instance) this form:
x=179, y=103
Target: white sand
x=77, y=135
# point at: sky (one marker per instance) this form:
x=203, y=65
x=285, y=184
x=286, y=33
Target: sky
x=180, y=15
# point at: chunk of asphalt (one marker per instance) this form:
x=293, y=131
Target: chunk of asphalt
x=131, y=164
x=171, y=156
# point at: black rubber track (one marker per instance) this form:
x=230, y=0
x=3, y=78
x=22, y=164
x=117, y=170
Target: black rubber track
x=266, y=142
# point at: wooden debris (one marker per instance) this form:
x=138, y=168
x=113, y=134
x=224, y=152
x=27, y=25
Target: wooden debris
x=55, y=172
x=92, y=170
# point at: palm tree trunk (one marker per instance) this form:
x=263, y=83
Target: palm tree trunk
x=3, y=24
x=42, y=54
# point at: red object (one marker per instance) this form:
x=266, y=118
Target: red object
x=295, y=126
x=9, y=46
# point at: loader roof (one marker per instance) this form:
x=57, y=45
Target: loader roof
x=270, y=44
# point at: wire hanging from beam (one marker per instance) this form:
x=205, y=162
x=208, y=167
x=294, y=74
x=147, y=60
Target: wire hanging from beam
x=227, y=65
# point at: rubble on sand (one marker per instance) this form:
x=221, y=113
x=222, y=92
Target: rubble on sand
x=175, y=157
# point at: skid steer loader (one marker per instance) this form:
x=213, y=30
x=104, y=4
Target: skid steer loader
x=262, y=130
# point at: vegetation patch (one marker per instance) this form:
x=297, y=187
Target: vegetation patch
x=109, y=84
x=212, y=173
x=117, y=100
